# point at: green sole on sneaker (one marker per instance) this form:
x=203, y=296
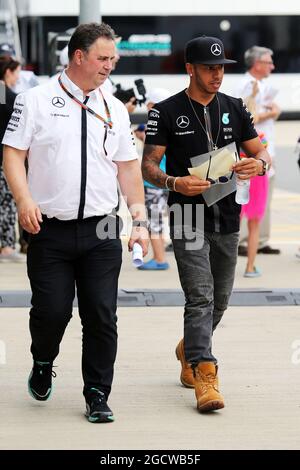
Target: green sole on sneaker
x=40, y=380
x=35, y=395
x=100, y=419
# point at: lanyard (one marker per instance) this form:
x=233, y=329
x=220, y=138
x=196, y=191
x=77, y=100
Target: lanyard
x=107, y=121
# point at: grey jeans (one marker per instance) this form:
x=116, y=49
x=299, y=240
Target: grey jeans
x=206, y=274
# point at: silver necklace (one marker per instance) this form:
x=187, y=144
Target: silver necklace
x=207, y=131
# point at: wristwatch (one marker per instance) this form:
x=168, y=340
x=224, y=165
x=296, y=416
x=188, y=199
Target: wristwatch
x=141, y=223
x=266, y=167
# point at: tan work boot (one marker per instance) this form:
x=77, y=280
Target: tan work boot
x=187, y=375
x=206, y=387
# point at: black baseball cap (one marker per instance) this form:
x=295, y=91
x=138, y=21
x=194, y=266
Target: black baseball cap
x=206, y=50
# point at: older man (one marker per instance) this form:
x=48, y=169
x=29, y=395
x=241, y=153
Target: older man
x=78, y=143
x=256, y=86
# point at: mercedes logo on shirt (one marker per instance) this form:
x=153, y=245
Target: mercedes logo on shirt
x=58, y=102
x=182, y=121
x=216, y=49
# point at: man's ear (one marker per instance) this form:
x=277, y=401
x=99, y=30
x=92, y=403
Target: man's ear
x=189, y=69
x=78, y=56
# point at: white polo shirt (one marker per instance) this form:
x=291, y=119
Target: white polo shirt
x=263, y=99
x=68, y=167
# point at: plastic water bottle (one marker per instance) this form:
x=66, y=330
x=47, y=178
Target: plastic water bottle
x=242, y=194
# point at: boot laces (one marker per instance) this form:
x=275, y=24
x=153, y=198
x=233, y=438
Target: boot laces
x=43, y=368
x=207, y=380
x=98, y=396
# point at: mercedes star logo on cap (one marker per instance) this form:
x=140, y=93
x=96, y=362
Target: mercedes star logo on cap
x=58, y=102
x=182, y=121
x=216, y=49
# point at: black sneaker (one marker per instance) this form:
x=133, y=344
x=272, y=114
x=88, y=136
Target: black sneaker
x=242, y=250
x=97, y=410
x=40, y=380
x=268, y=250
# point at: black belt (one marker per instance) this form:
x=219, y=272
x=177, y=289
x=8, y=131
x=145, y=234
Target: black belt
x=94, y=218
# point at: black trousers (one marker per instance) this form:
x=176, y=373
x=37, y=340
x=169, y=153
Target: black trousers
x=65, y=254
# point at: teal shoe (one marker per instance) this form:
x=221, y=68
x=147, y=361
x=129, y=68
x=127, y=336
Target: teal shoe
x=255, y=273
x=97, y=409
x=153, y=265
x=40, y=380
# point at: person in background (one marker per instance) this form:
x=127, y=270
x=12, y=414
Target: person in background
x=156, y=201
x=64, y=56
x=26, y=79
x=109, y=84
x=155, y=198
x=298, y=161
x=254, y=212
x=63, y=60
x=259, y=63
x=9, y=74
x=140, y=135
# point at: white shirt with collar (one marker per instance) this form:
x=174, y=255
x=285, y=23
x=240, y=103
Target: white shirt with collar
x=47, y=123
x=263, y=99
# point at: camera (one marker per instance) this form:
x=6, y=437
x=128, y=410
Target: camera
x=126, y=95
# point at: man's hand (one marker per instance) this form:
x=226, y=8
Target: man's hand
x=247, y=168
x=141, y=236
x=191, y=185
x=30, y=215
x=275, y=111
x=272, y=112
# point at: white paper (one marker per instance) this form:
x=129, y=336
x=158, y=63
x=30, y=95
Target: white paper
x=137, y=255
x=218, y=190
x=220, y=165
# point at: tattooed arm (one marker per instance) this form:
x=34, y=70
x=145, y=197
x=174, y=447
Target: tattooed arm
x=187, y=185
x=150, y=166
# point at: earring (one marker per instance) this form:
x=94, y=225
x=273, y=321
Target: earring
x=191, y=74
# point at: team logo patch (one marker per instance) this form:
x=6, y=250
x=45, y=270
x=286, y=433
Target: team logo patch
x=58, y=102
x=182, y=122
x=225, y=118
x=216, y=49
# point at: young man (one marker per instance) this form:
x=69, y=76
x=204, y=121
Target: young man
x=78, y=144
x=196, y=121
